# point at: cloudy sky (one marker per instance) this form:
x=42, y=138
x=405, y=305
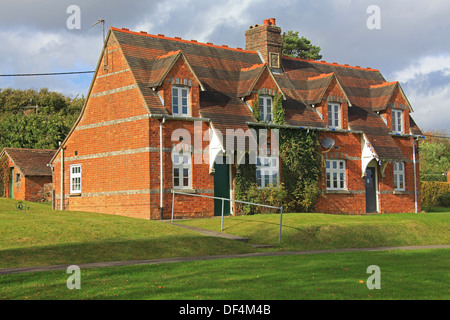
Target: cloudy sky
x=412, y=44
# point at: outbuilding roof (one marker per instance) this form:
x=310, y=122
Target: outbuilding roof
x=31, y=162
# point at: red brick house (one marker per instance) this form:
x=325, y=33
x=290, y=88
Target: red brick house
x=28, y=173
x=151, y=93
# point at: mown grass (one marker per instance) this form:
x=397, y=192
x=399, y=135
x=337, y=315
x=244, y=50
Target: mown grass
x=41, y=236
x=306, y=231
x=404, y=275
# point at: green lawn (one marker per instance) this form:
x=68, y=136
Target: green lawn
x=305, y=231
x=404, y=275
x=40, y=236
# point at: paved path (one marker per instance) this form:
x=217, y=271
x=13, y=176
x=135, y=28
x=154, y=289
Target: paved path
x=184, y=259
x=212, y=233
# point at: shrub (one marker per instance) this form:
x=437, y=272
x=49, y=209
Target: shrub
x=435, y=194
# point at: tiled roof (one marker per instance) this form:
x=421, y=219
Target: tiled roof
x=31, y=162
x=228, y=74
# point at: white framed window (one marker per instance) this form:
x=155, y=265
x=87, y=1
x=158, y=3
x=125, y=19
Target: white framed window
x=180, y=101
x=399, y=176
x=75, y=178
x=181, y=170
x=334, y=115
x=336, y=175
x=265, y=108
x=267, y=171
x=397, y=121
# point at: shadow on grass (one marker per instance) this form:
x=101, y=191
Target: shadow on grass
x=120, y=250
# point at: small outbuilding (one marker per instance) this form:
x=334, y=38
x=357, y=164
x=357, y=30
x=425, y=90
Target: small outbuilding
x=26, y=173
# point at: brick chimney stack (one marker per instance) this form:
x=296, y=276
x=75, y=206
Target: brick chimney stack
x=266, y=39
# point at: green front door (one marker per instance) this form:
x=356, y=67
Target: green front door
x=11, y=184
x=221, y=188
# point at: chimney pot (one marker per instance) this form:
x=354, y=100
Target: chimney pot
x=266, y=22
x=272, y=21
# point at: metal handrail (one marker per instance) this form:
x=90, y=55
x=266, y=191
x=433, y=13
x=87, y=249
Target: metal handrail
x=223, y=199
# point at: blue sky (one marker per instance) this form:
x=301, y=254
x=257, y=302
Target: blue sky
x=411, y=46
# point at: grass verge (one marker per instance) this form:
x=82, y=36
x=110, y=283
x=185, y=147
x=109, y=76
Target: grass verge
x=306, y=231
x=404, y=275
x=41, y=236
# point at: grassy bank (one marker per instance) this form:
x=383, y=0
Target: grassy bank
x=411, y=274
x=305, y=231
x=41, y=236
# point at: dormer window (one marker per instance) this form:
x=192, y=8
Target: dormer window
x=180, y=101
x=397, y=121
x=265, y=107
x=334, y=115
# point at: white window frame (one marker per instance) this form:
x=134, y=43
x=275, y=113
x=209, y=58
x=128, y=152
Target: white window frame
x=267, y=171
x=397, y=121
x=181, y=167
x=399, y=176
x=75, y=179
x=266, y=108
x=335, y=115
x=336, y=174
x=181, y=103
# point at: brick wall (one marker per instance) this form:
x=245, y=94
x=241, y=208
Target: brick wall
x=120, y=159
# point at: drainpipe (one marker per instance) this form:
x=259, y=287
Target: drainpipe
x=415, y=173
x=61, y=203
x=161, y=167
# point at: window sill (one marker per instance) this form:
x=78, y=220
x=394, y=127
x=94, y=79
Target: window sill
x=337, y=191
x=400, y=192
x=184, y=190
x=75, y=195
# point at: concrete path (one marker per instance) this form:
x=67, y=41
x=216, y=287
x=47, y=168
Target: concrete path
x=184, y=259
x=212, y=233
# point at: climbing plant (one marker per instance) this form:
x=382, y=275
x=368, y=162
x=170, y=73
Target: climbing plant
x=4, y=175
x=278, y=110
x=300, y=170
x=256, y=110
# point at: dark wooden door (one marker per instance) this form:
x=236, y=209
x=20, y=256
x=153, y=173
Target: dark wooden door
x=221, y=187
x=11, y=184
x=371, y=190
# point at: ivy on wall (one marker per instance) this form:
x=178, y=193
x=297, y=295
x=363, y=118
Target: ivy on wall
x=300, y=167
x=255, y=110
x=4, y=175
x=300, y=171
x=278, y=110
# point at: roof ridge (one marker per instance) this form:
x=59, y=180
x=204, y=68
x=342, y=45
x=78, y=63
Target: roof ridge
x=331, y=64
x=168, y=54
x=252, y=67
x=29, y=149
x=161, y=36
x=384, y=84
x=320, y=76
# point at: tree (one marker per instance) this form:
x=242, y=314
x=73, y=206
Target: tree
x=296, y=47
x=434, y=157
x=40, y=128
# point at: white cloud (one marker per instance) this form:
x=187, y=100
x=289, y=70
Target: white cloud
x=426, y=82
x=23, y=51
x=432, y=108
x=424, y=66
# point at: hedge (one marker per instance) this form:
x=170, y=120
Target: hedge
x=435, y=194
